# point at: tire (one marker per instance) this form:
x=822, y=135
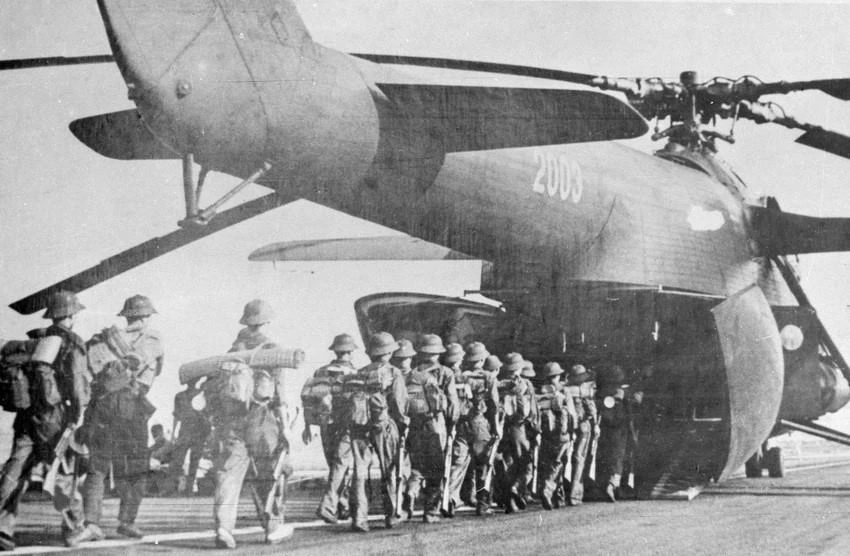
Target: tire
x=775, y=463
x=752, y=467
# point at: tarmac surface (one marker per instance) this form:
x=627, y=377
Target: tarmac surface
x=807, y=512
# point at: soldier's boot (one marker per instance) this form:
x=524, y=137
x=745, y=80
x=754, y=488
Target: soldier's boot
x=391, y=521
x=90, y=532
x=325, y=515
x=546, y=502
x=342, y=511
x=517, y=498
x=223, y=539
x=407, y=506
x=450, y=512
x=278, y=532
x=129, y=530
x=430, y=518
x=360, y=527
x=610, y=493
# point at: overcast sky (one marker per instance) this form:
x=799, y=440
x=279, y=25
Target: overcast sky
x=63, y=208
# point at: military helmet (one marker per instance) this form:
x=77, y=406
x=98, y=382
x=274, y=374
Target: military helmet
x=578, y=374
x=513, y=362
x=137, y=306
x=612, y=375
x=62, y=304
x=343, y=343
x=550, y=369
x=528, y=369
x=475, y=351
x=382, y=343
x=454, y=353
x=430, y=344
x=492, y=363
x=256, y=312
x=405, y=349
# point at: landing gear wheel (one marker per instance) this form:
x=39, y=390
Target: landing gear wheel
x=775, y=463
x=753, y=466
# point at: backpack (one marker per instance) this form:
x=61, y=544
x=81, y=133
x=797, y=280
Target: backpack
x=554, y=417
x=356, y=402
x=14, y=383
x=515, y=399
x=472, y=388
x=317, y=400
x=424, y=395
x=234, y=383
x=583, y=395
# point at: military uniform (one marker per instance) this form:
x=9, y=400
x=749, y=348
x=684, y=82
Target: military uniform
x=117, y=422
x=519, y=406
x=193, y=433
x=37, y=430
x=478, y=402
x=557, y=421
x=614, y=419
x=250, y=437
x=432, y=409
x=582, y=388
x=336, y=445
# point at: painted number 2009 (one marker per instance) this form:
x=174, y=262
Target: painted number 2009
x=557, y=176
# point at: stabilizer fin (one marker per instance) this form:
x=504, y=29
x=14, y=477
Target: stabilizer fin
x=121, y=135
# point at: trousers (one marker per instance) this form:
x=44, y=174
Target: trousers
x=470, y=455
x=339, y=455
x=427, y=437
x=377, y=445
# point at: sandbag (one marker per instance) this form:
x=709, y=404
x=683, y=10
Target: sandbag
x=271, y=358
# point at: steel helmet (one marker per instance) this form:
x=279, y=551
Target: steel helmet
x=475, y=351
x=405, y=349
x=454, y=353
x=551, y=369
x=492, y=363
x=343, y=342
x=62, y=304
x=137, y=306
x=528, y=369
x=513, y=362
x=579, y=374
x=430, y=344
x=256, y=312
x=382, y=343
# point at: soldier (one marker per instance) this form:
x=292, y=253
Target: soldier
x=402, y=358
x=613, y=402
x=373, y=402
x=59, y=395
x=117, y=422
x=252, y=434
x=453, y=358
x=531, y=431
x=557, y=419
x=317, y=400
x=432, y=409
x=191, y=431
x=478, y=401
x=492, y=364
x=581, y=386
x=519, y=407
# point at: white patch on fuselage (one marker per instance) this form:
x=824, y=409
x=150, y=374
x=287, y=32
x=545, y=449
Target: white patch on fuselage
x=702, y=220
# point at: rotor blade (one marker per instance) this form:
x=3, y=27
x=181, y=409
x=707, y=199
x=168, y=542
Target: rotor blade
x=27, y=63
x=829, y=141
x=379, y=248
x=838, y=88
x=483, y=118
x=785, y=233
x=488, y=67
x=149, y=250
x=121, y=135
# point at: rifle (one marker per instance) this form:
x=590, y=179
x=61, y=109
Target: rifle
x=399, y=487
x=536, y=459
x=491, y=457
x=447, y=470
x=59, y=458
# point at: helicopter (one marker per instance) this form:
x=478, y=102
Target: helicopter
x=598, y=253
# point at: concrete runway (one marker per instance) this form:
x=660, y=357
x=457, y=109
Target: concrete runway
x=804, y=513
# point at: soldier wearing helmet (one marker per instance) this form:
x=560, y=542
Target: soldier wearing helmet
x=373, y=403
x=519, y=407
x=117, y=420
x=477, y=432
x=256, y=314
x=402, y=358
x=557, y=420
x=581, y=386
x=432, y=409
x=319, y=410
x=57, y=403
x=613, y=401
x=492, y=364
x=252, y=436
x=453, y=358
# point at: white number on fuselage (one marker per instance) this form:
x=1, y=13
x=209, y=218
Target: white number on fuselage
x=557, y=176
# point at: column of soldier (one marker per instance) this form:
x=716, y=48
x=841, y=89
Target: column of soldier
x=456, y=424
x=452, y=424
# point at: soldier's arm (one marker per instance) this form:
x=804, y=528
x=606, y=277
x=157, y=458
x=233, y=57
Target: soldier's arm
x=80, y=387
x=453, y=402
